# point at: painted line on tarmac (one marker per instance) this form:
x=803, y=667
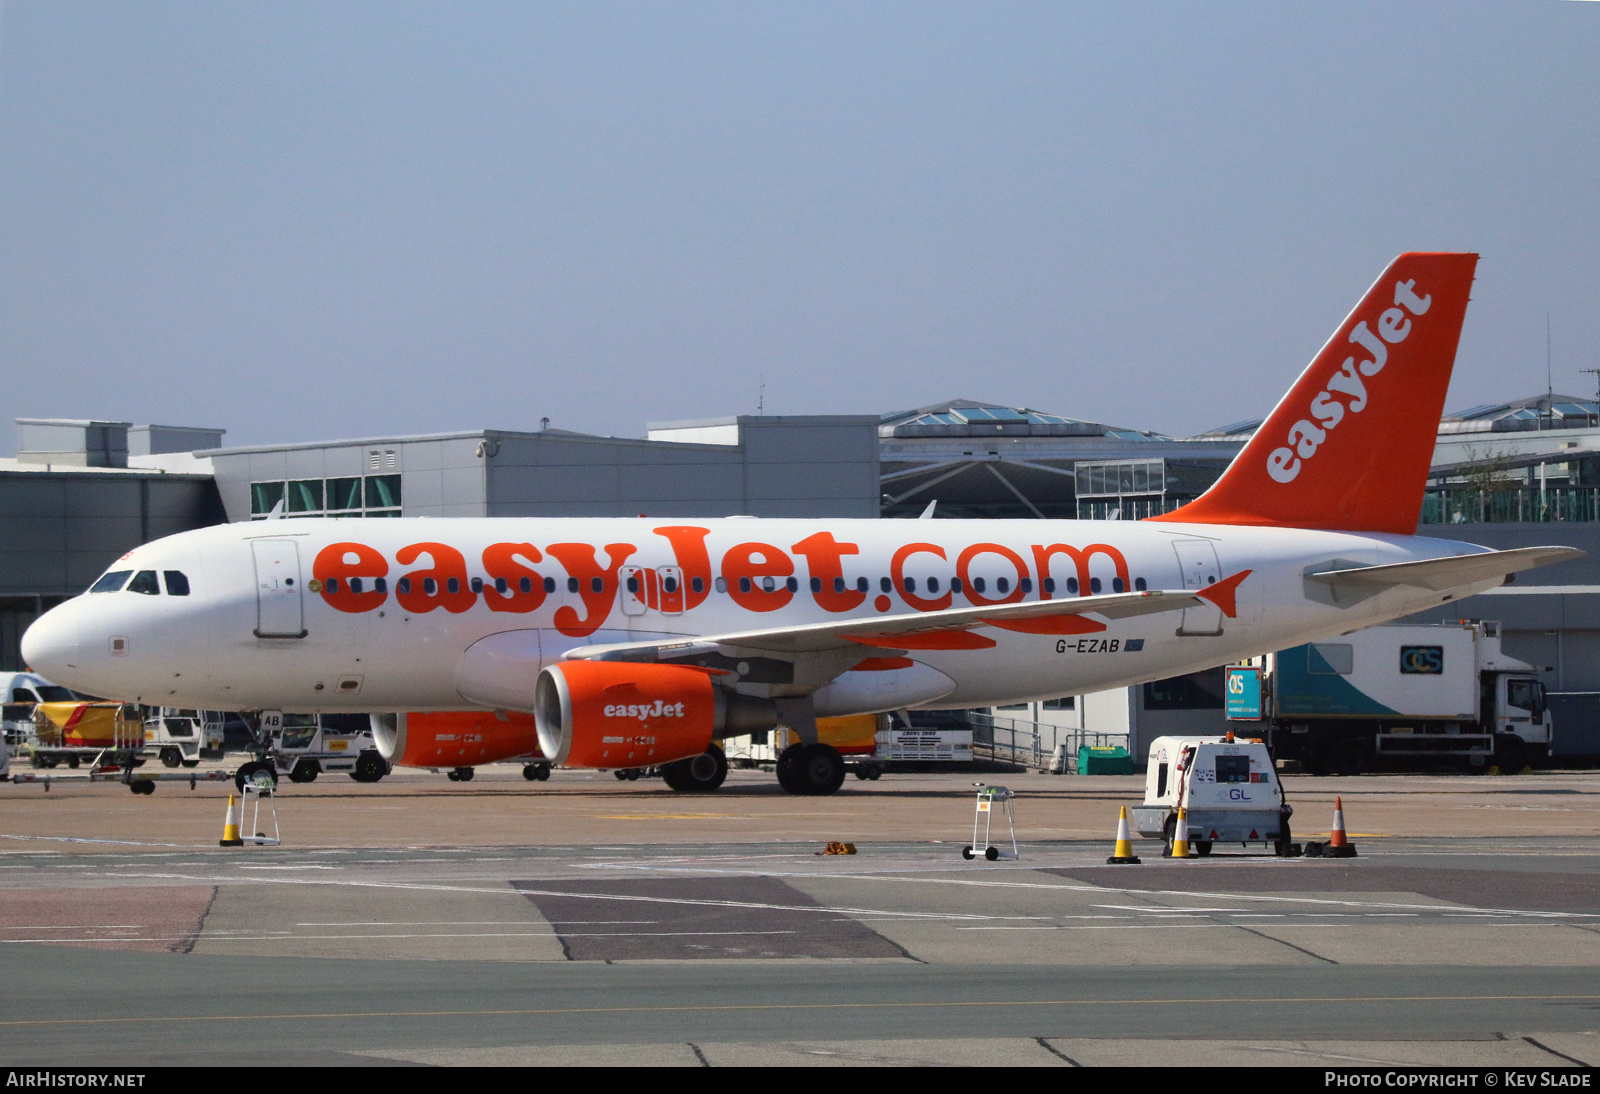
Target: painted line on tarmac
x=755, y=905
x=120, y=842
x=1108, y=889
x=715, y=1008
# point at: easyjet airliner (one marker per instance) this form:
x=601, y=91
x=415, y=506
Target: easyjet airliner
x=629, y=643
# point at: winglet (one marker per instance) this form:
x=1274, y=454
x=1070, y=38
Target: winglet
x=1222, y=593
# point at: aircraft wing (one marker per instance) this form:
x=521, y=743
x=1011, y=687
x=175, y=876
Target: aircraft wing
x=948, y=629
x=1446, y=573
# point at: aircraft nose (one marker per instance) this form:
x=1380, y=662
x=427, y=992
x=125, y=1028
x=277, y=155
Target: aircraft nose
x=50, y=645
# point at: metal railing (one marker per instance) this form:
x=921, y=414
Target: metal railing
x=1021, y=741
x=1453, y=505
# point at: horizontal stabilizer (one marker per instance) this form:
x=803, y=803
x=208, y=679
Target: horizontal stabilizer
x=1447, y=573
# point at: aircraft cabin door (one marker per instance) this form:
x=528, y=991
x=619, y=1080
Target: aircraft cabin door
x=1197, y=558
x=634, y=595
x=280, y=612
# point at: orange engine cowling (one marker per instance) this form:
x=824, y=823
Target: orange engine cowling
x=626, y=714
x=457, y=738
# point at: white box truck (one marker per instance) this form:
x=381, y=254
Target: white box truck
x=1401, y=696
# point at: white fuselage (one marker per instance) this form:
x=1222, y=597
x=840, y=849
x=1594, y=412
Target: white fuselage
x=259, y=628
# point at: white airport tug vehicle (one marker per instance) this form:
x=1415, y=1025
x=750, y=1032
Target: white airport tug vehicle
x=300, y=747
x=184, y=737
x=1228, y=790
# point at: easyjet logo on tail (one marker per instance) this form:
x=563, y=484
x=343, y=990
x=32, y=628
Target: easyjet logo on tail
x=1306, y=436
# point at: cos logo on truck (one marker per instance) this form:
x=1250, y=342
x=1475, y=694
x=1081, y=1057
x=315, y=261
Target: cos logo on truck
x=1421, y=660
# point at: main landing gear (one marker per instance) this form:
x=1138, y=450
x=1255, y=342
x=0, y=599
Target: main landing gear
x=811, y=769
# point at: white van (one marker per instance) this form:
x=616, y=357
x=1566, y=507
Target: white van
x=22, y=691
x=1228, y=789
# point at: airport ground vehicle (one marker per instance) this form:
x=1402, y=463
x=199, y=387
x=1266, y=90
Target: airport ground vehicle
x=303, y=746
x=1227, y=786
x=181, y=736
x=639, y=643
x=107, y=736
x=1400, y=696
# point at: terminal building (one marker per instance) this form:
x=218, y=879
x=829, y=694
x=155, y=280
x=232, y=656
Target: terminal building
x=81, y=493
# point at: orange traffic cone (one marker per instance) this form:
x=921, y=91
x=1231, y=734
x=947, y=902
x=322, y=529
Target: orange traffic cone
x=1338, y=845
x=230, y=827
x=1122, y=854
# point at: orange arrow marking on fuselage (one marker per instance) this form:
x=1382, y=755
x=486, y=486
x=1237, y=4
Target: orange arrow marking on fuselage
x=1222, y=593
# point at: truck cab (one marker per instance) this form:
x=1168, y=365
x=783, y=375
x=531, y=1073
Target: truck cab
x=1520, y=720
x=1227, y=787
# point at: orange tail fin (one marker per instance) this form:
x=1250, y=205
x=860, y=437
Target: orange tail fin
x=1349, y=447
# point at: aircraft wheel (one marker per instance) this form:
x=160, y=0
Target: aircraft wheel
x=785, y=770
x=698, y=774
x=819, y=769
x=258, y=772
x=463, y=774
x=143, y=786
x=544, y=772
x=72, y=761
x=171, y=757
x=305, y=771
x=536, y=772
x=1203, y=848
x=874, y=774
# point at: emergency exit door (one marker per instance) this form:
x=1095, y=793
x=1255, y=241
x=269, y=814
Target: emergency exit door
x=1197, y=558
x=280, y=611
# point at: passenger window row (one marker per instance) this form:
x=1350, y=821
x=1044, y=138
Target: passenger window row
x=355, y=585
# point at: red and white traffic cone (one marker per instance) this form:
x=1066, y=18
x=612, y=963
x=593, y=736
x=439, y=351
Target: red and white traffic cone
x=1338, y=845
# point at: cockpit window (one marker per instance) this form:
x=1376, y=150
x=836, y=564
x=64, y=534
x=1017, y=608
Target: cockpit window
x=177, y=582
x=23, y=695
x=110, y=583
x=53, y=693
x=145, y=582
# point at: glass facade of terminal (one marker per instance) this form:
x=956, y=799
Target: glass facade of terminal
x=1135, y=489
x=353, y=496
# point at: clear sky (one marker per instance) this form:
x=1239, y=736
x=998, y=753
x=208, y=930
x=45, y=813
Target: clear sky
x=303, y=221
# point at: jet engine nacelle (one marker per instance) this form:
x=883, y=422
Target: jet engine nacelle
x=463, y=738
x=625, y=714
